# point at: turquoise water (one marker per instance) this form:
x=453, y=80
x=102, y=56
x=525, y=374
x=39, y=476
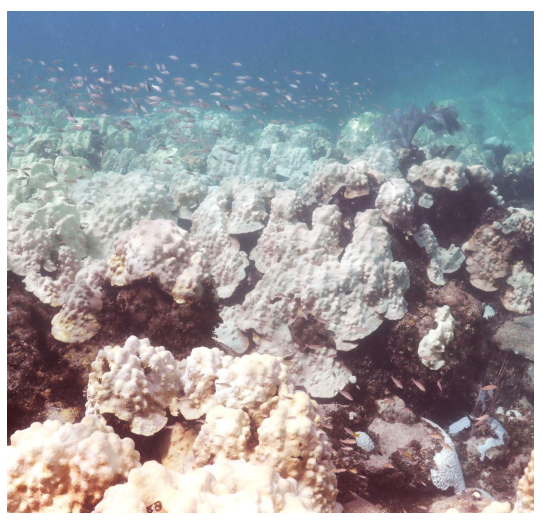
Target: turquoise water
x=482, y=62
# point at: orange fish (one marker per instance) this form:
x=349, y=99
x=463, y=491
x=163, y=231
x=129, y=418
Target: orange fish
x=489, y=387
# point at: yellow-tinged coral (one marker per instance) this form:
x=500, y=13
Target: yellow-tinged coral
x=253, y=413
x=227, y=486
x=525, y=492
x=56, y=468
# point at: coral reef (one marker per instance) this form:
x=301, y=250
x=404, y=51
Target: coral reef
x=267, y=317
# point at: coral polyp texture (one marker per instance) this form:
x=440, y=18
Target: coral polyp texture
x=134, y=382
x=275, y=290
x=227, y=486
x=56, y=468
x=161, y=249
x=253, y=413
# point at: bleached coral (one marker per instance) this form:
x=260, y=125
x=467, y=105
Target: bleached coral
x=304, y=276
x=440, y=173
x=395, y=202
x=384, y=163
x=335, y=176
x=55, y=468
x=442, y=261
x=134, y=382
x=520, y=221
x=426, y=200
x=162, y=249
x=225, y=434
x=432, y=346
x=46, y=236
x=358, y=134
x=291, y=439
x=526, y=491
x=210, y=233
x=364, y=441
x=227, y=486
x=487, y=252
x=448, y=472
x=252, y=399
x=248, y=212
x=118, y=204
x=489, y=249
x=519, y=295
x=77, y=321
x=187, y=192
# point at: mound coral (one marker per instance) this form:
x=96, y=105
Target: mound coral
x=161, y=249
x=304, y=277
x=227, y=486
x=134, y=382
x=252, y=413
x=55, y=468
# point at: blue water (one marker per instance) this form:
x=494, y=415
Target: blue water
x=482, y=61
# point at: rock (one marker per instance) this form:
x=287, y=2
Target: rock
x=517, y=336
x=471, y=500
x=359, y=505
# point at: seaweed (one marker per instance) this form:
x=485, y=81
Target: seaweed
x=401, y=127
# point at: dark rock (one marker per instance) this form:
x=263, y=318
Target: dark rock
x=517, y=336
x=48, y=378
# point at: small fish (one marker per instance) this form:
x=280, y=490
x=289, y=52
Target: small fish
x=489, y=387
x=194, y=65
x=346, y=448
x=397, y=382
x=389, y=401
x=437, y=436
x=389, y=465
x=236, y=64
x=419, y=385
x=439, y=386
x=342, y=470
x=360, y=329
x=328, y=426
x=350, y=431
x=292, y=418
x=314, y=346
x=173, y=57
x=445, y=446
x=478, y=423
x=321, y=320
x=423, y=508
x=402, y=452
x=482, y=418
x=429, y=358
x=353, y=471
x=347, y=395
x=348, y=441
x=225, y=384
x=279, y=296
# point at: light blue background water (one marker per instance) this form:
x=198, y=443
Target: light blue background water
x=482, y=61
